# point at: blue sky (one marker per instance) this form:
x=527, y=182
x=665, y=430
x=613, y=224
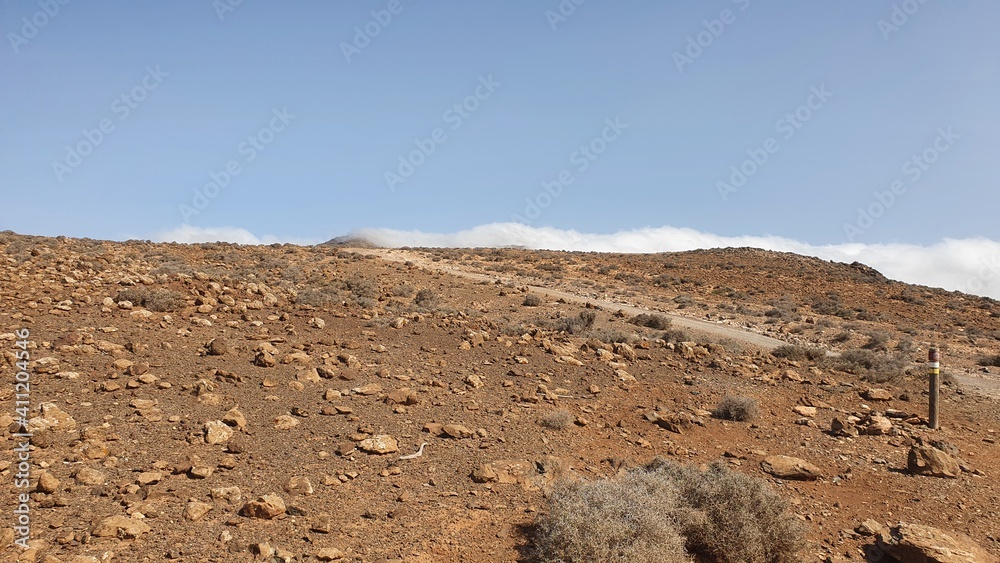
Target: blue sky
x=313, y=105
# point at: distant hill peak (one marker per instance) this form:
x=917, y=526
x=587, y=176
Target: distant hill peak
x=350, y=241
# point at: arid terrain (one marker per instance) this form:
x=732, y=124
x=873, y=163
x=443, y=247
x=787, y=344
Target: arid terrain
x=218, y=402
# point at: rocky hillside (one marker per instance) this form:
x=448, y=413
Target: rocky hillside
x=219, y=402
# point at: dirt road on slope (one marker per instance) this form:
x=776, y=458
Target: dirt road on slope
x=984, y=385
x=714, y=329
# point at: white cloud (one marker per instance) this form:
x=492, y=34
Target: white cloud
x=192, y=234
x=969, y=265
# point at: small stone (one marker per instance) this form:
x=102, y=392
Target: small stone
x=89, y=476
x=264, y=359
x=308, y=375
x=404, y=396
x=47, y=483
x=382, y=444
x=266, y=507
x=149, y=478
x=841, y=428
x=297, y=358
x=121, y=527
x=51, y=417
x=328, y=554
x=196, y=510
x=201, y=472
x=878, y=426
x=370, y=389
x=217, y=432
x=228, y=494
x=456, y=431
x=485, y=474
x=217, y=347
x=870, y=528
x=785, y=467
x=877, y=394
x=285, y=422
x=234, y=417
x=263, y=551
x=299, y=486
x=792, y=375
x=804, y=411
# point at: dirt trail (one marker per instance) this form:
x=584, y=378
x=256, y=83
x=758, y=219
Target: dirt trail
x=715, y=329
x=984, y=385
x=987, y=386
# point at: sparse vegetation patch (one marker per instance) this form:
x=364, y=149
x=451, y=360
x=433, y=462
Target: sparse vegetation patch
x=658, y=322
x=738, y=408
x=161, y=300
x=666, y=512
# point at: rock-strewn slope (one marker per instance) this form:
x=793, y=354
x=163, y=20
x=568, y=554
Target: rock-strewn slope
x=220, y=402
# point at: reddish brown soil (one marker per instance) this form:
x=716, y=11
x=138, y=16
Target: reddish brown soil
x=474, y=356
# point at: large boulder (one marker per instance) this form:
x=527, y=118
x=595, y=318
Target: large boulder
x=927, y=460
x=916, y=543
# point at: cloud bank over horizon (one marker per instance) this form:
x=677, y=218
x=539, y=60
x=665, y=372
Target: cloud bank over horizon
x=970, y=265
x=189, y=234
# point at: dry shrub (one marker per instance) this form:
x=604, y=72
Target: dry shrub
x=160, y=300
x=532, y=300
x=993, y=361
x=659, y=322
x=675, y=335
x=556, y=420
x=403, y=290
x=872, y=366
x=735, y=518
x=738, y=408
x=632, y=519
x=878, y=341
x=611, y=336
x=318, y=296
x=576, y=325
x=362, y=288
x=664, y=512
x=426, y=298
x=798, y=353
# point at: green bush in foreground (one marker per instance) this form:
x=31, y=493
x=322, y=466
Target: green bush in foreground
x=666, y=512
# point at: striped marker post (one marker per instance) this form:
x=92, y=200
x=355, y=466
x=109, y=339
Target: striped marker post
x=934, y=373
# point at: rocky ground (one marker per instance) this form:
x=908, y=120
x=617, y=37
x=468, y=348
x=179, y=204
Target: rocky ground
x=219, y=402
